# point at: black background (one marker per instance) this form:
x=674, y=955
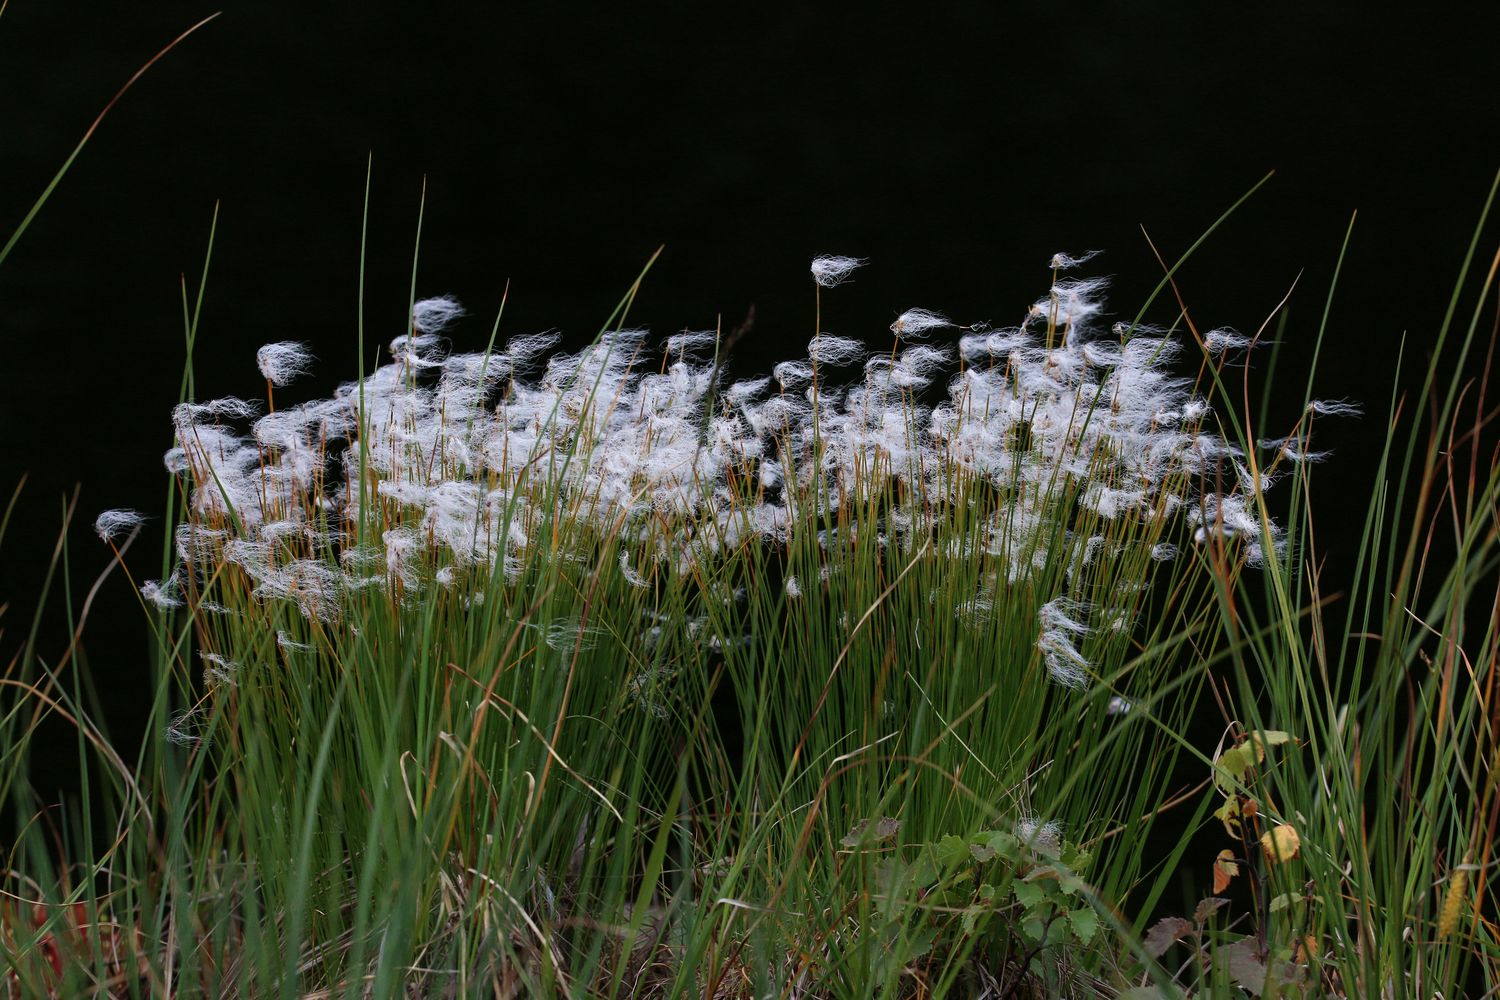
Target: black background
x=955, y=146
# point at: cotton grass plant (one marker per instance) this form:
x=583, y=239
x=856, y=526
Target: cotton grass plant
x=514, y=671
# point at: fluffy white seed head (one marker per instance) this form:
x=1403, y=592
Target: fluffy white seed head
x=1062, y=261
x=915, y=322
x=1334, y=408
x=1225, y=339
x=1043, y=838
x=828, y=270
x=827, y=349
x=111, y=524
x=433, y=315
x=282, y=362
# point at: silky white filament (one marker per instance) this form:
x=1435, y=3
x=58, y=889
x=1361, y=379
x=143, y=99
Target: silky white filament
x=829, y=271
x=282, y=362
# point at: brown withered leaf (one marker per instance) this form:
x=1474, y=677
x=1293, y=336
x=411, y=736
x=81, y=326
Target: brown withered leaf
x=1206, y=908
x=1164, y=933
x=866, y=832
x=1245, y=966
x=1225, y=869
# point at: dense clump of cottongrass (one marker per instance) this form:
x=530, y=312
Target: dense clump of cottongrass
x=456, y=459
x=487, y=591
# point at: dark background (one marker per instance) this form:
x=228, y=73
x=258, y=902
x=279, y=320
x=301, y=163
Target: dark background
x=955, y=146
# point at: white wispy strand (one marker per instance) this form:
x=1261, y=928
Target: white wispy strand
x=113, y=523
x=1044, y=838
x=286, y=642
x=219, y=670
x=827, y=349
x=628, y=571
x=433, y=315
x=164, y=594
x=1334, y=408
x=916, y=322
x=282, y=362
x=1062, y=261
x=1293, y=449
x=186, y=728
x=1059, y=624
x=828, y=270
x=1219, y=341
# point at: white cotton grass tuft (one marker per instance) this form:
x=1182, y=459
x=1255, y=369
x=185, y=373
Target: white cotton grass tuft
x=829, y=270
x=826, y=349
x=1041, y=837
x=166, y=594
x=915, y=323
x=187, y=728
x=1063, y=262
x=1060, y=621
x=435, y=314
x=112, y=524
x=1224, y=339
x=1334, y=408
x=476, y=466
x=284, y=361
x=220, y=671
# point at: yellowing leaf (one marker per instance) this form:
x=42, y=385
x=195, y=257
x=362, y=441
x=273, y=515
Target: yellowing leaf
x=1281, y=843
x=1229, y=815
x=1225, y=868
x=1271, y=738
x=1233, y=764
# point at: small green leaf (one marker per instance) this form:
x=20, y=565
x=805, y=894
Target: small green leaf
x=952, y=851
x=1029, y=894
x=1229, y=815
x=1070, y=884
x=1085, y=923
x=1007, y=845
x=1233, y=764
x=973, y=916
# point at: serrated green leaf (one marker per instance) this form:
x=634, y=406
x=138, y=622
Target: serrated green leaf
x=952, y=851
x=1233, y=764
x=1007, y=845
x=1085, y=923
x=1070, y=884
x=1029, y=894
